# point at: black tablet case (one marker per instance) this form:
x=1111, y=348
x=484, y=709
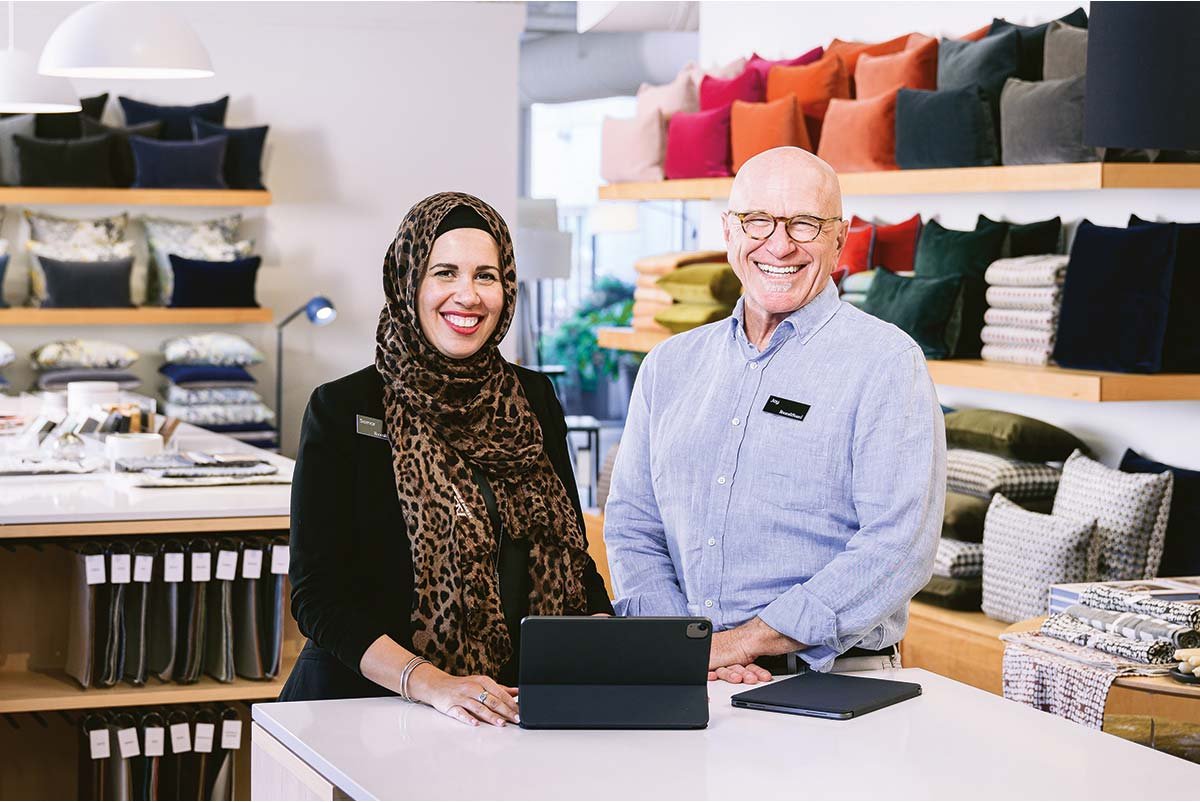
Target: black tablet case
x=837, y=696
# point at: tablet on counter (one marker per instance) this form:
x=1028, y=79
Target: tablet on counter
x=837, y=696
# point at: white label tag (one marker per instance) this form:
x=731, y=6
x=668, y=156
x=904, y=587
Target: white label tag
x=181, y=738
x=252, y=563
x=201, y=566
x=154, y=741
x=127, y=740
x=173, y=566
x=280, y=557
x=93, y=566
x=226, y=564
x=143, y=568
x=120, y=569
x=231, y=734
x=204, y=737
x=98, y=740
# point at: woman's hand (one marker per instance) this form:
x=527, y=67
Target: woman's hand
x=468, y=699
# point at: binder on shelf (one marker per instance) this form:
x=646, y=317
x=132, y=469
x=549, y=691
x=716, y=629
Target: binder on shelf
x=218, y=630
x=164, y=610
x=193, y=592
x=137, y=612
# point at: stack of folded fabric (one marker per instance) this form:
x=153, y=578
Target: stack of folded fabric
x=63, y=361
x=650, y=299
x=1024, y=297
x=208, y=386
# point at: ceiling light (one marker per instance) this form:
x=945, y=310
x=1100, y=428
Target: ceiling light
x=22, y=90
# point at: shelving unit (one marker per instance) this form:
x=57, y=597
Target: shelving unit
x=166, y=526
x=91, y=196
x=137, y=316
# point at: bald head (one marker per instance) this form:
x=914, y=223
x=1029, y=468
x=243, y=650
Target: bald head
x=784, y=182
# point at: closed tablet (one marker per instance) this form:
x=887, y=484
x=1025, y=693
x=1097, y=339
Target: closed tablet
x=838, y=696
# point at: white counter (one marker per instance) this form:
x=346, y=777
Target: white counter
x=952, y=742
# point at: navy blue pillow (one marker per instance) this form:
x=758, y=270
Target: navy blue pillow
x=1116, y=298
x=1033, y=41
x=1181, y=351
x=214, y=284
x=179, y=165
x=177, y=120
x=3, y=268
x=243, y=155
x=86, y=285
x=953, y=128
x=1181, y=552
x=188, y=374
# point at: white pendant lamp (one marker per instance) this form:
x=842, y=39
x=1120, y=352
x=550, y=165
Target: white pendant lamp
x=23, y=91
x=118, y=40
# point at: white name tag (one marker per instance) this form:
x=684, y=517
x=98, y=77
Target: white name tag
x=226, y=564
x=181, y=738
x=127, y=741
x=204, y=737
x=280, y=557
x=252, y=563
x=201, y=566
x=173, y=566
x=93, y=566
x=143, y=568
x=231, y=734
x=154, y=741
x=98, y=741
x=120, y=569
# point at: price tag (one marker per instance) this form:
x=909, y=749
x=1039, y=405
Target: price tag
x=181, y=738
x=98, y=740
x=93, y=566
x=153, y=737
x=120, y=569
x=143, y=568
x=231, y=734
x=173, y=566
x=252, y=563
x=226, y=564
x=127, y=741
x=280, y=557
x=204, y=737
x=201, y=566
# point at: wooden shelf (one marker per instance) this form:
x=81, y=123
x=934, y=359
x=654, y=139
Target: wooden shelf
x=624, y=339
x=138, y=316
x=165, y=526
x=1017, y=178
x=90, y=196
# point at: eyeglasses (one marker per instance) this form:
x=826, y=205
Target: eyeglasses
x=801, y=228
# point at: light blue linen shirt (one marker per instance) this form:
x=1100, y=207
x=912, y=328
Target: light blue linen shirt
x=823, y=527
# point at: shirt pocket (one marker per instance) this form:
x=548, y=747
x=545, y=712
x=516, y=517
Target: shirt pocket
x=794, y=471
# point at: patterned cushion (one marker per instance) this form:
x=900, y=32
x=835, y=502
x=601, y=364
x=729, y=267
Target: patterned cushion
x=93, y=231
x=210, y=414
x=1024, y=553
x=1131, y=511
x=94, y=239
x=212, y=240
x=958, y=559
x=214, y=348
x=174, y=394
x=7, y=355
x=82, y=354
x=980, y=474
x=78, y=251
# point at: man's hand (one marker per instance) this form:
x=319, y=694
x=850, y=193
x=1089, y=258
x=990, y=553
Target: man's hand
x=734, y=651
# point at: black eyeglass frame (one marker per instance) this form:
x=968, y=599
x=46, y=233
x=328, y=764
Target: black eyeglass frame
x=775, y=221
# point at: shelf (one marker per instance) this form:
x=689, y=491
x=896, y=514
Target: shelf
x=1017, y=178
x=87, y=196
x=1052, y=382
x=139, y=316
x=165, y=526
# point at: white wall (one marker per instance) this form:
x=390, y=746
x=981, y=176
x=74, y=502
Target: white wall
x=372, y=106
x=1167, y=431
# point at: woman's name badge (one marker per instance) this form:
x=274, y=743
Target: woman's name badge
x=371, y=427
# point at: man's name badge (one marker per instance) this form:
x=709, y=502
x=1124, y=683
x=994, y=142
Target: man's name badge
x=788, y=409
x=371, y=427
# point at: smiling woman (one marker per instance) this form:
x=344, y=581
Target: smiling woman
x=461, y=297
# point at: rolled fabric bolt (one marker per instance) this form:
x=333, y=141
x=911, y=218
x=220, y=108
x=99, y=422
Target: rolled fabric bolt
x=1185, y=667
x=1196, y=671
x=1183, y=654
x=1194, y=661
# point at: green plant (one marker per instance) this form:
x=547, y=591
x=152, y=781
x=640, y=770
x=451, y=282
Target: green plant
x=574, y=345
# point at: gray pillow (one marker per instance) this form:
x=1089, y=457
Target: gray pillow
x=10, y=163
x=1065, y=55
x=1041, y=122
x=986, y=63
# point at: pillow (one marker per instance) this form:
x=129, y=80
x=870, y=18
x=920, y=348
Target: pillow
x=65, y=162
x=201, y=283
x=1041, y=122
x=705, y=283
x=1010, y=435
x=76, y=252
x=895, y=244
x=62, y=354
x=180, y=165
x=966, y=254
x=860, y=134
x=1181, y=547
x=698, y=145
x=1065, y=53
x=213, y=348
x=1034, y=239
x=177, y=120
x=212, y=240
x=207, y=376
x=965, y=514
x=953, y=594
x=856, y=254
x=716, y=93
x=682, y=317
x=174, y=394
x=984, y=475
x=57, y=380
x=1024, y=553
x=814, y=85
x=10, y=160
x=1033, y=41
x=851, y=52
x=121, y=156
x=7, y=354
x=763, y=66
x=68, y=126
x=668, y=99
x=915, y=67
x=1099, y=287
x=1181, y=343
x=92, y=231
x=730, y=70
x=958, y=559
x=79, y=285
x=243, y=152
x=926, y=309
x=976, y=35
x=1131, y=512
x=632, y=150
x=987, y=63
x=858, y=282
x=756, y=127
x=210, y=414
x=951, y=128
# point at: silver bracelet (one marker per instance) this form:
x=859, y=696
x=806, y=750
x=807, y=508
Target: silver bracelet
x=406, y=673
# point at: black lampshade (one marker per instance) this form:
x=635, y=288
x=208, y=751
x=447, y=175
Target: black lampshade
x=1142, y=76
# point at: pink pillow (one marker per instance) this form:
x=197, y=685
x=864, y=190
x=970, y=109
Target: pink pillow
x=632, y=150
x=667, y=99
x=698, y=145
x=750, y=87
x=762, y=66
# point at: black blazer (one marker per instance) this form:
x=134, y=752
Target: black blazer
x=351, y=564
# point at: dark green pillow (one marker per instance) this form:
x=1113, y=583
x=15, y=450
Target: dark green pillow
x=1031, y=239
x=1010, y=435
x=965, y=514
x=953, y=593
x=926, y=309
x=703, y=283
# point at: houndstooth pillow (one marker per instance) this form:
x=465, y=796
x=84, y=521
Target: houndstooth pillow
x=958, y=559
x=214, y=348
x=82, y=354
x=980, y=474
x=1131, y=512
x=1024, y=553
x=211, y=240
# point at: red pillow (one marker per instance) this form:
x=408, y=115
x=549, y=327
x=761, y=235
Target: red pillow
x=698, y=144
x=895, y=245
x=856, y=255
x=859, y=136
x=763, y=66
x=750, y=86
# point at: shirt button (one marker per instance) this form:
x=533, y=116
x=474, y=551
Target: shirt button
x=753, y=365
x=736, y=421
x=708, y=602
x=720, y=480
x=712, y=541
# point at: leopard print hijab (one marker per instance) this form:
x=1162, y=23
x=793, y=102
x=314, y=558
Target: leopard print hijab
x=444, y=415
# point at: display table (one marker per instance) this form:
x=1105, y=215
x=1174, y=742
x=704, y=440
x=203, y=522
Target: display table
x=953, y=742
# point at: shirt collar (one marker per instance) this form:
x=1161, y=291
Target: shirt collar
x=803, y=323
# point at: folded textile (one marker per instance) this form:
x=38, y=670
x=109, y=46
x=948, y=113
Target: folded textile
x=1083, y=654
x=666, y=262
x=684, y=317
x=1136, y=626
x=857, y=299
x=1016, y=354
x=1056, y=684
x=649, y=308
x=953, y=593
x=1012, y=335
x=174, y=394
x=228, y=428
x=59, y=379
x=958, y=559
x=207, y=375
x=1064, y=627
x=980, y=474
x=1106, y=598
x=649, y=324
x=1043, y=319
x=209, y=414
x=1036, y=298
x=654, y=295
x=1041, y=270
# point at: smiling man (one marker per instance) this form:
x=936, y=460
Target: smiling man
x=782, y=472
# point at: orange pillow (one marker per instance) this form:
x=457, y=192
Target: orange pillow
x=912, y=68
x=814, y=85
x=860, y=135
x=850, y=51
x=975, y=36
x=761, y=126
